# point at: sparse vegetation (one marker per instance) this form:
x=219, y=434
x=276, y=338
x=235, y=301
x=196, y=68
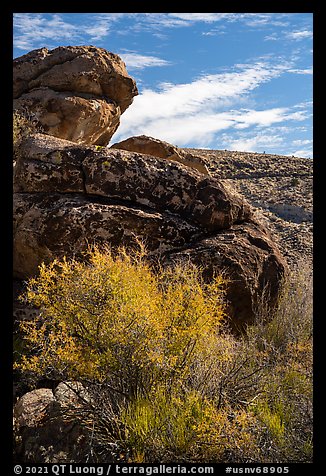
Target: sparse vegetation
x=21, y=125
x=24, y=123
x=169, y=382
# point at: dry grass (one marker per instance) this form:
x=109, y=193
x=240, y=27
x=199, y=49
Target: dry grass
x=24, y=123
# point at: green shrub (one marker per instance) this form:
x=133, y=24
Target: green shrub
x=165, y=425
x=284, y=404
x=170, y=427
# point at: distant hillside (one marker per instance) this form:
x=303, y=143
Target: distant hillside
x=281, y=187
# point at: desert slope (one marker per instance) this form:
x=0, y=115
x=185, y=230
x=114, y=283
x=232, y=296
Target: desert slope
x=279, y=187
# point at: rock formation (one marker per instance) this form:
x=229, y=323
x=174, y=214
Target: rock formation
x=72, y=193
x=280, y=188
x=163, y=150
x=251, y=263
x=74, y=92
x=69, y=193
x=66, y=194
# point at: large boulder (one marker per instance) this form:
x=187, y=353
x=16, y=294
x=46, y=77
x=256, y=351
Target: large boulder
x=74, y=92
x=45, y=429
x=252, y=264
x=56, y=166
x=52, y=225
x=163, y=150
x=68, y=196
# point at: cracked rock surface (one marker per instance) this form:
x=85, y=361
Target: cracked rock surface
x=42, y=426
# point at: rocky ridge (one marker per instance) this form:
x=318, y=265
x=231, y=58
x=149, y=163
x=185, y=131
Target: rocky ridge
x=163, y=150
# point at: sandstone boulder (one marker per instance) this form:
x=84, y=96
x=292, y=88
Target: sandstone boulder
x=45, y=428
x=56, y=225
x=75, y=92
x=31, y=408
x=68, y=196
x=56, y=166
x=163, y=150
x=251, y=262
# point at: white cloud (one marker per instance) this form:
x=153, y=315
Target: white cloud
x=255, y=143
x=268, y=117
x=250, y=19
x=306, y=153
x=301, y=142
x=214, y=32
x=193, y=113
x=98, y=31
x=101, y=25
x=138, y=61
x=299, y=35
x=35, y=29
x=301, y=71
x=203, y=17
x=272, y=139
x=295, y=35
x=272, y=37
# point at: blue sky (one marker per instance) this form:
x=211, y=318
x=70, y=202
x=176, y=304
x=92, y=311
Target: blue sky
x=235, y=81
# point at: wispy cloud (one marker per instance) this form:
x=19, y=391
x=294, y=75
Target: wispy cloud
x=295, y=35
x=262, y=20
x=274, y=139
x=34, y=30
x=307, y=153
x=272, y=37
x=254, y=143
x=250, y=19
x=299, y=35
x=203, y=17
x=98, y=26
x=194, y=112
x=214, y=32
x=98, y=31
x=38, y=29
x=301, y=142
x=137, y=61
x=301, y=71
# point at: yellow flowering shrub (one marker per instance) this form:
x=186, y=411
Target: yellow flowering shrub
x=169, y=382
x=112, y=319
